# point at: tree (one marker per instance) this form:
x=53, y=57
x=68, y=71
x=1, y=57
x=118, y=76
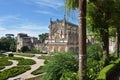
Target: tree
x=100, y=12
x=42, y=37
x=7, y=44
x=9, y=35
x=116, y=23
x=81, y=6
x=24, y=49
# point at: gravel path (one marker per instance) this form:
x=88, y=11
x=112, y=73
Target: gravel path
x=27, y=74
x=14, y=64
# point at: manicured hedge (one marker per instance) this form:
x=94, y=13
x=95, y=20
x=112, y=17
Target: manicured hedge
x=2, y=55
x=4, y=62
x=26, y=54
x=38, y=71
x=4, y=75
x=2, y=67
x=26, y=62
x=107, y=70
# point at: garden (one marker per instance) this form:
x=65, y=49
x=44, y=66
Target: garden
x=22, y=66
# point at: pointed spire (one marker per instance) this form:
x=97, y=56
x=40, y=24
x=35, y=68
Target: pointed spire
x=65, y=17
x=51, y=20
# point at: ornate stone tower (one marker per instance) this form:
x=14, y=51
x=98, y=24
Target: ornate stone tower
x=63, y=36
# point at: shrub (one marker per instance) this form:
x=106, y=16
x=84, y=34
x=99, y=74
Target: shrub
x=58, y=63
x=43, y=57
x=104, y=73
x=2, y=67
x=94, y=61
x=26, y=54
x=14, y=71
x=94, y=52
x=2, y=55
x=24, y=49
x=19, y=51
x=26, y=62
x=68, y=75
x=38, y=71
x=4, y=62
x=11, y=55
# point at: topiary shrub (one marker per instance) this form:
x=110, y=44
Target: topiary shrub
x=11, y=55
x=38, y=71
x=24, y=49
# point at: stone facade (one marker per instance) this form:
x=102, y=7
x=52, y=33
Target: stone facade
x=25, y=40
x=63, y=36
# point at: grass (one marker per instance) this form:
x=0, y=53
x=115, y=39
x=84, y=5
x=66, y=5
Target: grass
x=38, y=71
x=4, y=75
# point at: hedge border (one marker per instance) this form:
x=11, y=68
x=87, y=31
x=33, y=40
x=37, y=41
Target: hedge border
x=104, y=73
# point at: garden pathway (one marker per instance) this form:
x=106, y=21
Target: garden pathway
x=27, y=74
x=8, y=67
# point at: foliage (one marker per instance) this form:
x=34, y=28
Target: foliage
x=94, y=52
x=4, y=62
x=26, y=62
x=58, y=63
x=68, y=75
x=94, y=61
x=7, y=44
x=35, y=51
x=38, y=71
x=2, y=55
x=21, y=61
x=2, y=67
x=26, y=54
x=14, y=71
x=71, y=4
x=11, y=55
x=107, y=70
x=24, y=49
x=43, y=57
x=42, y=37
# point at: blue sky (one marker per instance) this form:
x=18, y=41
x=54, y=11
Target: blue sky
x=29, y=16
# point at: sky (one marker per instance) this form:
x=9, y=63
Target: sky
x=30, y=16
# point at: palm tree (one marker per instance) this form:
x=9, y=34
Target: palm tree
x=81, y=6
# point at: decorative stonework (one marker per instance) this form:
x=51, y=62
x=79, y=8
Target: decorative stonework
x=62, y=34
x=25, y=40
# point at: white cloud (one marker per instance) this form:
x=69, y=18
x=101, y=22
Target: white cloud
x=14, y=24
x=46, y=12
x=33, y=27
x=55, y=4
x=9, y=18
x=30, y=29
x=2, y=29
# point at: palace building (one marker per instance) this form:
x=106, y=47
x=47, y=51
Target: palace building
x=63, y=36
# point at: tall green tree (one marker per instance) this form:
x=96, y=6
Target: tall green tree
x=116, y=23
x=81, y=6
x=100, y=12
x=7, y=44
x=42, y=37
